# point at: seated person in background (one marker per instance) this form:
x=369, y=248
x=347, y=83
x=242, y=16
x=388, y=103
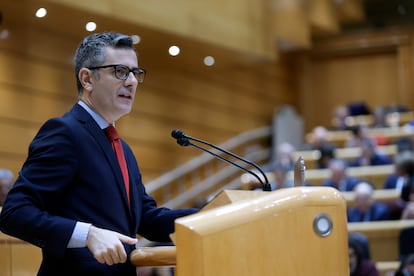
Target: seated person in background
x=365, y=208
x=405, y=143
x=358, y=134
x=407, y=195
x=407, y=267
x=408, y=211
x=339, y=179
x=327, y=154
x=370, y=155
x=379, y=117
x=362, y=239
x=339, y=117
x=358, y=264
x=6, y=182
x=319, y=141
x=404, y=167
x=280, y=179
x=284, y=155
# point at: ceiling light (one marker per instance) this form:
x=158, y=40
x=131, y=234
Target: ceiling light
x=41, y=12
x=174, y=50
x=209, y=61
x=90, y=26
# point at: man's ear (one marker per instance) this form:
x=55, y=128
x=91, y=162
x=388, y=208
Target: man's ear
x=86, y=79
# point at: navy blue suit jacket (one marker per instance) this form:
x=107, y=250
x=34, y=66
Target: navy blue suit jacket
x=72, y=174
x=350, y=183
x=378, y=212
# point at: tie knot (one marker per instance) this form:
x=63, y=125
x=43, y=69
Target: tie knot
x=111, y=133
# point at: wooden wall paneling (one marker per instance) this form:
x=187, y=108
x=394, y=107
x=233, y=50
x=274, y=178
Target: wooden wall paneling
x=322, y=16
x=255, y=84
x=405, y=93
x=30, y=107
x=17, y=139
x=215, y=103
x=372, y=79
x=153, y=130
x=38, y=75
x=11, y=161
x=202, y=114
x=231, y=25
x=290, y=26
x=350, y=10
x=217, y=95
x=376, y=64
x=41, y=45
x=234, y=24
x=305, y=102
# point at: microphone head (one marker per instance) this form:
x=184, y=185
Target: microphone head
x=177, y=134
x=183, y=142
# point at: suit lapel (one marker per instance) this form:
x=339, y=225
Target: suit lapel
x=100, y=138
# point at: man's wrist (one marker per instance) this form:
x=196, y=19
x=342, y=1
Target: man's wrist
x=79, y=235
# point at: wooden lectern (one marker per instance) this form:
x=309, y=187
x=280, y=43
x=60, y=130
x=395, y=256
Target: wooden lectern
x=293, y=231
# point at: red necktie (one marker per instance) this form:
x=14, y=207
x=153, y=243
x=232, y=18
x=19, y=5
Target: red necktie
x=117, y=146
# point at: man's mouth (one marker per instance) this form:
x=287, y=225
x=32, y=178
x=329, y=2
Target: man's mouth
x=127, y=96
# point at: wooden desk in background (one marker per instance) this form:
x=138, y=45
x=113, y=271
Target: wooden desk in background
x=375, y=174
x=382, y=195
x=339, y=137
x=383, y=237
x=387, y=268
x=348, y=154
x=18, y=257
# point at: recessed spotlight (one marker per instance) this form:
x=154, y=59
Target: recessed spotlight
x=209, y=61
x=174, y=50
x=90, y=26
x=41, y=12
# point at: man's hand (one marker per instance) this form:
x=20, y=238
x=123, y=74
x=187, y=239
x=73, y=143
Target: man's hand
x=106, y=246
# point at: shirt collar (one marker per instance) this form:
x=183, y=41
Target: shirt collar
x=98, y=118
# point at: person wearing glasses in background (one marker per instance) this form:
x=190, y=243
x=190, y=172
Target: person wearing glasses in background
x=70, y=197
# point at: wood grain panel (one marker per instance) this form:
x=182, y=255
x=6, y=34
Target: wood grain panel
x=344, y=80
x=30, y=106
x=215, y=103
x=38, y=75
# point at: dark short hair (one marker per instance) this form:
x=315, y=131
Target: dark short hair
x=91, y=51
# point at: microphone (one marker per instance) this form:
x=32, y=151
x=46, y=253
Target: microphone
x=184, y=140
x=299, y=172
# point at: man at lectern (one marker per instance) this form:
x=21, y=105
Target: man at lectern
x=79, y=195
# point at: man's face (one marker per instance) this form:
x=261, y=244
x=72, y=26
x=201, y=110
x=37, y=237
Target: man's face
x=363, y=202
x=109, y=96
x=337, y=174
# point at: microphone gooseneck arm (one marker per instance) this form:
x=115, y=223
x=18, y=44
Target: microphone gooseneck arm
x=183, y=140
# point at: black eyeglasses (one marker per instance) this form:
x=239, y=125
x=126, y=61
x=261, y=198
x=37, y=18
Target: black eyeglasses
x=122, y=71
